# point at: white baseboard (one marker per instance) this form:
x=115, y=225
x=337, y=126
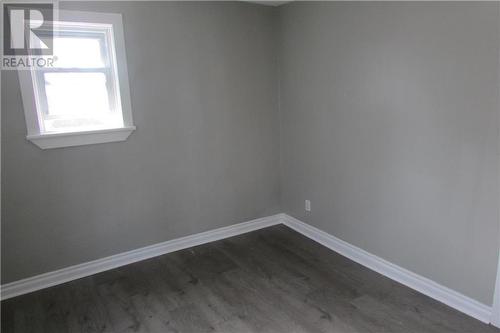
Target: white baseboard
x=495, y=315
x=424, y=285
x=67, y=274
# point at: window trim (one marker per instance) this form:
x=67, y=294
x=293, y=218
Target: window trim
x=67, y=139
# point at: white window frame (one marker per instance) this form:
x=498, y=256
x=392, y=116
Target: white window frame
x=32, y=107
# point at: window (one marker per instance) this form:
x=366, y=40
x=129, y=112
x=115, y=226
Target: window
x=84, y=97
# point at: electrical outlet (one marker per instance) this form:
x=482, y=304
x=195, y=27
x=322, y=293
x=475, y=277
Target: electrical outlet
x=307, y=205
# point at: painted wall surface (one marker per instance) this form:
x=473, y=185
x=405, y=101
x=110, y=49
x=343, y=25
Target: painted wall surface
x=204, y=96
x=389, y=127
x=386, y=114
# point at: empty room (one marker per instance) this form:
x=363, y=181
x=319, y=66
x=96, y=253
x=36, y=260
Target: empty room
x=250, y=166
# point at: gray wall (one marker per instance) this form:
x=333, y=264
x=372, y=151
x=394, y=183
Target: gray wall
x=205, y=153
x=388, y=124
x=389, y=127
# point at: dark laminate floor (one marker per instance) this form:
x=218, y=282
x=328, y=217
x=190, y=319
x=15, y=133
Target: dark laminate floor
x=271, y=280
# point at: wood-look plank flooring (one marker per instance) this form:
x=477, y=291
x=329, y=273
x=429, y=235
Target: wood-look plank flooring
x=271, y=280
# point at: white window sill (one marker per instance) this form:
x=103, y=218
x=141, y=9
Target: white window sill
x=58, y=140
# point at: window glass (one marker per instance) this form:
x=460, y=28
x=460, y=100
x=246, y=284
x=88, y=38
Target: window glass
x=78, y=101
x=80, y=92
x=78, y=52
x=76, y=94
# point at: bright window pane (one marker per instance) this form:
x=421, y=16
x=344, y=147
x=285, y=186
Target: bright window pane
x=76, y=52
x=78, y=101
x=76, y=93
